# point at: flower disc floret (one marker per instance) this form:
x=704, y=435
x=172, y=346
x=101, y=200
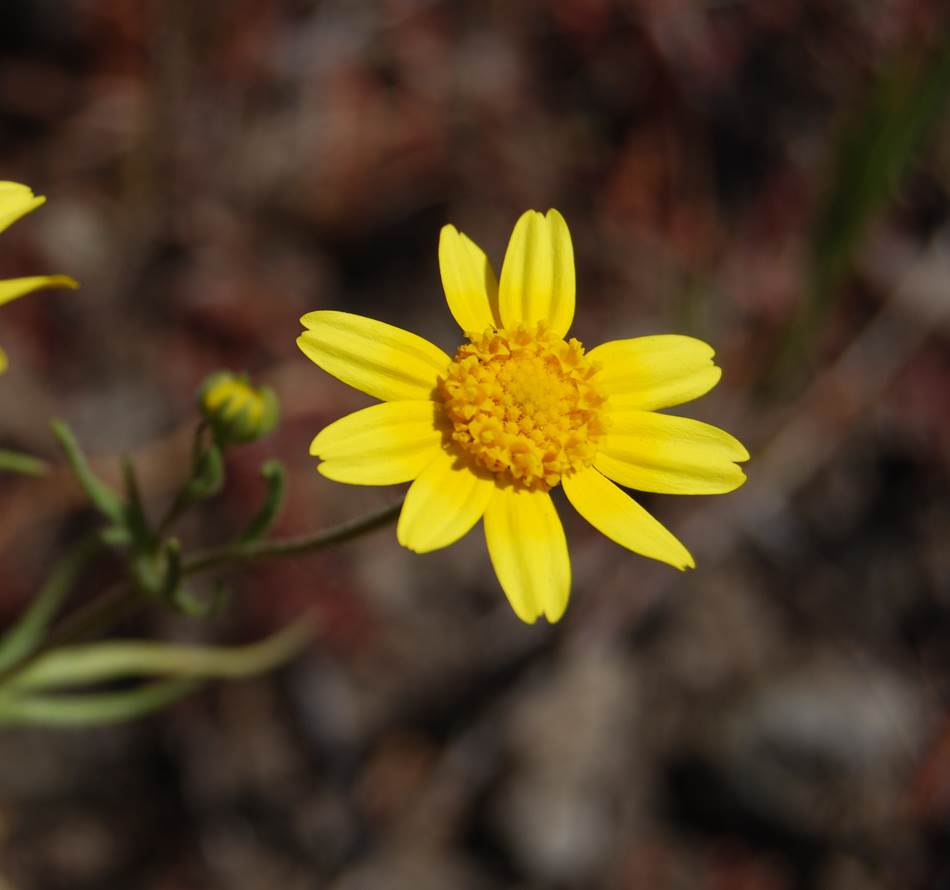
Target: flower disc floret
x=523, y=404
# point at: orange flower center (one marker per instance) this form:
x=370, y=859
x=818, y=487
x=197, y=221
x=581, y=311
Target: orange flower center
x=524, y=404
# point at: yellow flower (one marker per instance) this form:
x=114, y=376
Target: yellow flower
x=519, y=409
x=15, y=201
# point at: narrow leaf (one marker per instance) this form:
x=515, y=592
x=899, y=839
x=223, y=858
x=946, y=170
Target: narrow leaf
x=135, y=518
x=77, y=666
x=873, y=153
x=274, y=476
x=68, y=711
x=28, y=633
x=24, y=464
x=874, y=150
x=207, y=475
x=103, y=498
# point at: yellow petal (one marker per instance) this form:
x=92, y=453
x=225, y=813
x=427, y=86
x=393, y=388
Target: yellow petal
x=618, y=516
x=529, y=552
x=672, y=455
x=445, y=501
x=16, y=200
x=380, y=445
x=3, y=361
x=537, y=278
x=376, y=358
x=468, y=279
x=12, y=288
x=655, y=372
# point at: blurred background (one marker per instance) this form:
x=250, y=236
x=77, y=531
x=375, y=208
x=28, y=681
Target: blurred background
x=770, y=177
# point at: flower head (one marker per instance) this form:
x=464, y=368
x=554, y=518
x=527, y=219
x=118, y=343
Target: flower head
x=519, y=409
x=236, y=411
x=15, y=201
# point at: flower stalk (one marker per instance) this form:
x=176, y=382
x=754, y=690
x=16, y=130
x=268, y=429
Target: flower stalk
x=253, y=550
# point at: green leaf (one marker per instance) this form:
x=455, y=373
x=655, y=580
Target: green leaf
x=67, y=711
x=171, y=578
x=103, y=498
x=874, y=151
x=135, y=519
x=207, y=475
x=158, y=573
x=195, y=607
x=274, y=476
x=116, y=536
x=77, y=666
x=28, y=633
x=24, y=464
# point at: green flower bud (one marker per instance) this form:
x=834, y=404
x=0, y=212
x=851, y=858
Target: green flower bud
x=236, y=411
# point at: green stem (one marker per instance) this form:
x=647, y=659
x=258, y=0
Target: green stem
x=97, y=615
x=182, y=502
x=101, y=613
x=175, y=512
x=251, y=550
